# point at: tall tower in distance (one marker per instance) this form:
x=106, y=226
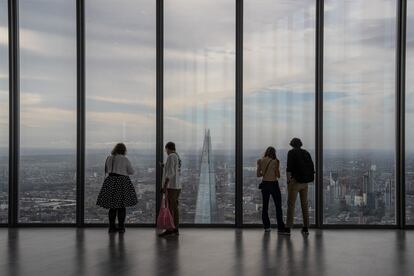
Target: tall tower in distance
x=206, y=210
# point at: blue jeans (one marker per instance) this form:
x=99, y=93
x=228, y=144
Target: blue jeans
x=271, y=188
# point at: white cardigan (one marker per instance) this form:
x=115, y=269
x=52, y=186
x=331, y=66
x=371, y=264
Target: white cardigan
x=118, y=164
x=172, y=171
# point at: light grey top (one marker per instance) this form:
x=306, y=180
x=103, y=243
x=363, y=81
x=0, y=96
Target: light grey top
x=118, y=164
x=172, y=171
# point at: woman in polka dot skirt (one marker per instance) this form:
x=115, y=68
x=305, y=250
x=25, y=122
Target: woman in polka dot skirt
x=117, y=191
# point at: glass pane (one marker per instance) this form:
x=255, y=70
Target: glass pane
x=120, y=99
x=359, y=112
x=199, y=114
x=279, y=93
x=47, y=188
x=4, y=113
x=409, y=177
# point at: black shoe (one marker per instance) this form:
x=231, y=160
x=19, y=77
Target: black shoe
x=285, y=231
x=121, y=230
x=176, y=232
x=305, y=231
x=166, y=233
x=112, y=230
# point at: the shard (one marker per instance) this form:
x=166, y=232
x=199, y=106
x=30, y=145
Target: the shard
x=206, y=210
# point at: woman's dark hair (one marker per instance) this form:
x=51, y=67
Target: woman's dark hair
x=296, y=143
x=170, y=146
x=119, y=148
x=270, y=152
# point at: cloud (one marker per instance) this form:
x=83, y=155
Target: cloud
x=126, y=105
x=262, y=14
x=28, y=99
x=105, y=128
x=47, y=45
x=4, y=38
x=279, y=64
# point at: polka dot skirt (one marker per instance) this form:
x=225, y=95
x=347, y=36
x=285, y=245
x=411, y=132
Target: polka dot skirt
x=117, y=192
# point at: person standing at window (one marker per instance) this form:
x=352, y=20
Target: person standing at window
x=172, y=185
x=300, y=171
x=268, y=168
x=117, y=191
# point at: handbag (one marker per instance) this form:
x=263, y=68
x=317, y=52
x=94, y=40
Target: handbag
x=264, y=173
x=165, y=219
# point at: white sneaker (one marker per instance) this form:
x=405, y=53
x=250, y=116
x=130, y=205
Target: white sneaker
x=267, y=230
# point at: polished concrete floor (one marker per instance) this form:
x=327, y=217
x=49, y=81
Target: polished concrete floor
x=92, y=251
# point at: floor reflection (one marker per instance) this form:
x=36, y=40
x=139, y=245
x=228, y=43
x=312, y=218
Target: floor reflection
x=237, y=252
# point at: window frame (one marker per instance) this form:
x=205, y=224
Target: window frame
x=14, y=120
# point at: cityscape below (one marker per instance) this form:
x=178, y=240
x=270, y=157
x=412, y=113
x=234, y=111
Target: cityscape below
x=359, y=188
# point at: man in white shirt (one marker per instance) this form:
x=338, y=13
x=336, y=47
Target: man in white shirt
x=171, y=185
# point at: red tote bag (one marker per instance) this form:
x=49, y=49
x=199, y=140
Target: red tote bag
x=165, y=219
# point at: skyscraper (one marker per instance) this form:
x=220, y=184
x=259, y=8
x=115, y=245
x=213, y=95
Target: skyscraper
x=333, y=179
x=206, y=210
x=388, y=194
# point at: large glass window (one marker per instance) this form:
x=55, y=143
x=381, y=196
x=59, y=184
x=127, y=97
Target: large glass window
x=4, y=113
x=359, y=112
x=409, y=177
x=199, y=99
x=120, y=98
x=47, y=190
x=279, y=94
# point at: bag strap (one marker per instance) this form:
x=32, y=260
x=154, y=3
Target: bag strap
x=166, y=199
x=112, y=166
x=265, y=171
x=106, y=162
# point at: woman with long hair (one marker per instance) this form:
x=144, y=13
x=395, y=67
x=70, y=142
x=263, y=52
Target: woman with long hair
x=117, y=191
x=268, y=168
x=171, y=186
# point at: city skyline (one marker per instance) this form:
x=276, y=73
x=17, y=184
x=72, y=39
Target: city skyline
x=344, y=205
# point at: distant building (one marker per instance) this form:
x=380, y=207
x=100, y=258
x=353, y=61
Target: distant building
x=359, y=200
x=311, y=196
x=206, y=209
x=388, y=194
x=333, y=179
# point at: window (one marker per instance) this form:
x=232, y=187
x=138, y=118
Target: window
x=359, y=112
x=4, y=113
x=47, y=188
x=279, y=93
x=120, y=99
x=199, y=101
x=409, y=177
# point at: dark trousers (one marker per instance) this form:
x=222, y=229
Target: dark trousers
x=173, y=203
x=271, y=188
x=121, y=212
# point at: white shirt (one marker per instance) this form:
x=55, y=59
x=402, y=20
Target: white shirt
x=118, y=164
x=172, y=171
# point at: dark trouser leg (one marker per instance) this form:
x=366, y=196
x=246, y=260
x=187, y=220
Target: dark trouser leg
x=277, y=198
x=112, y=217
x=265, y=208
x=121, y=217
x=173, y=202
x=303, y=194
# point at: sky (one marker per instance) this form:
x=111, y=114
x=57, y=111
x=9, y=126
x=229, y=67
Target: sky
x=279, y=66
